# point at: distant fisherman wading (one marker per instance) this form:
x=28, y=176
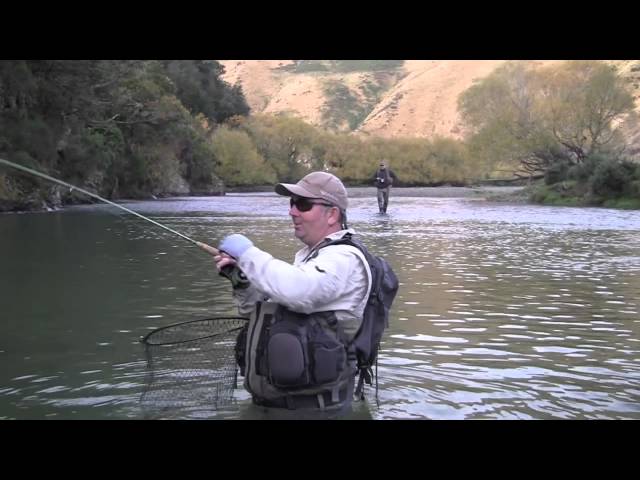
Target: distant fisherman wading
x=384, y=178
x=303, y=316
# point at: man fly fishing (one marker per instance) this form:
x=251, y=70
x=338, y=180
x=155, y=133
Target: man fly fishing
x=303, y=315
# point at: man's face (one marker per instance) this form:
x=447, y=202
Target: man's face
x=313, y=225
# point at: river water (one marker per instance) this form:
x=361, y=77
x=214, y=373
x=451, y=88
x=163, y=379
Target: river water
x=505, y=311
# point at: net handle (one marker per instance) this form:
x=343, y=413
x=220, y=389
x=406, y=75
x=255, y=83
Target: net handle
x=145, y=339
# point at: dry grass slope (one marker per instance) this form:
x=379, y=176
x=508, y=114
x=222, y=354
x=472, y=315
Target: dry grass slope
x=421, y=101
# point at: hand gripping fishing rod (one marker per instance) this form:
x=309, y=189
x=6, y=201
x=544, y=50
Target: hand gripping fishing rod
x=234, y=274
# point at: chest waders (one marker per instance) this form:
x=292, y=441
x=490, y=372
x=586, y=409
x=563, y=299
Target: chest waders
x=383, y=184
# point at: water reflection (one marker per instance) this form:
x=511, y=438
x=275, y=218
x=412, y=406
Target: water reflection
x=504, y=311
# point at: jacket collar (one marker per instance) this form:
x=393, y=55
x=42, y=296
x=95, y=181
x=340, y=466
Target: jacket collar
x=334, y=236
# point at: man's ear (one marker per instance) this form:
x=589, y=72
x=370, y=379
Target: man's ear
x=334, y=216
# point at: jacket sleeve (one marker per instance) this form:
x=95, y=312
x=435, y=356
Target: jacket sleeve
x=302, y=288
x=246, y=299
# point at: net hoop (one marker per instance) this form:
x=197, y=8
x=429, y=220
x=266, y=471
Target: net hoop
x=147, y=340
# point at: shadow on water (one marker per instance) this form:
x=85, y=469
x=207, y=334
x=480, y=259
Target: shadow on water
x=504, y=311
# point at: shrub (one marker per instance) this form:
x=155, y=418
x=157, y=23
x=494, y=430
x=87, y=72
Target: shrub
x=583, y=171
x=613, y=178
x=556, y=173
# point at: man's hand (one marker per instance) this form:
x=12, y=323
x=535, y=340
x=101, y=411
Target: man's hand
x=228, y=268
x=235, y=245
x=222, y=260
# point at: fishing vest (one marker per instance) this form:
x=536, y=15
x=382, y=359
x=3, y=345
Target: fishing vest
x=383, y=178
x=295, y=360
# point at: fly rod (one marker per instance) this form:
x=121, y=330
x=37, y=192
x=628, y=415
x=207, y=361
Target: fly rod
x=207, y=248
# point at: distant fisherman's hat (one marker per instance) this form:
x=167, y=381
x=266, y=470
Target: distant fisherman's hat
x=322, y=185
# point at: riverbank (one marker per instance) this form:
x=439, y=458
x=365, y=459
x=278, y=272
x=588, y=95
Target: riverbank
x=487, y=193
x=495, y=194
x=499, y=194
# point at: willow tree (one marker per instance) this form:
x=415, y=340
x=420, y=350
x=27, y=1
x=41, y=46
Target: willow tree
x=583, y=101
x=527, y=120
x=239, y=160
x=290, y=146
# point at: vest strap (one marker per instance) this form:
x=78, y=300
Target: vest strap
x=335, y=395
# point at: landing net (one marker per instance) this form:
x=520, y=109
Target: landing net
x=192, y=364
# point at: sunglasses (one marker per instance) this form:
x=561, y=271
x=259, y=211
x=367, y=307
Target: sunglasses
x=305, y=204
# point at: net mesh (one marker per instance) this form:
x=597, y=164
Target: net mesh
x=191, y=364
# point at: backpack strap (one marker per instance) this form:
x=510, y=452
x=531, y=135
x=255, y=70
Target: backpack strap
x=364, y=375
x=365, y=372
x=346, y=239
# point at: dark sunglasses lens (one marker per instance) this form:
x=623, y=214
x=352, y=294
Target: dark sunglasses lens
x=301, y=204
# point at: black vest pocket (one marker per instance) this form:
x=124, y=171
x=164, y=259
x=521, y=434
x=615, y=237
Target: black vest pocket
x=328, y=362
x=287, y=359
x=296, y=352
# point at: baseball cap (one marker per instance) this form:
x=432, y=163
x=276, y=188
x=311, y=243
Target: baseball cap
x=322, y=185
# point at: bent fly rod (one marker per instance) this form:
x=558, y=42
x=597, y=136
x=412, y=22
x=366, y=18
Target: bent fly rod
x=207, y=248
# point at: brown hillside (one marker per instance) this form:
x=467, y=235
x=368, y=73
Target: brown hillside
x=419, y=100
x=424, y=103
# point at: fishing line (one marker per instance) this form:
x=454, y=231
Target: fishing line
x=210, y=250
x=232, y=272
